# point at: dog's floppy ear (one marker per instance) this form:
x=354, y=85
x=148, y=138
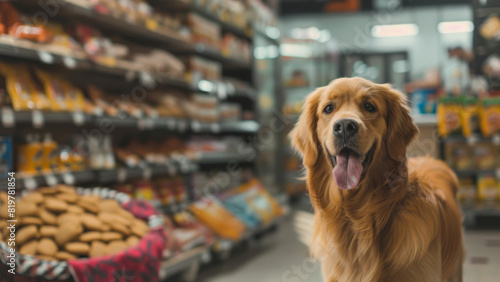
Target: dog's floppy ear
x=401, y=129
x=303, y=136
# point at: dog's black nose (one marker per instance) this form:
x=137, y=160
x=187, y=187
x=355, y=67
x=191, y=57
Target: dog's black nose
x=345, y=128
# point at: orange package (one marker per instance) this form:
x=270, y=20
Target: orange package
x=213, y=214
x=19, y=27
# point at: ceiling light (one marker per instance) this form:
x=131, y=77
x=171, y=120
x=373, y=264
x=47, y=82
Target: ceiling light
x=295, y=50
x=394, y=30
x=455, y=27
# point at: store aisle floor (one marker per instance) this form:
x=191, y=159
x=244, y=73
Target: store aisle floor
x=283, y=258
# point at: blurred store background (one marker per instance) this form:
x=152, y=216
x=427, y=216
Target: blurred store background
x=185, y=106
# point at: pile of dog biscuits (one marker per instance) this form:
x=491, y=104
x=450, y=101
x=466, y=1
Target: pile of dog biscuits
x=59, y=224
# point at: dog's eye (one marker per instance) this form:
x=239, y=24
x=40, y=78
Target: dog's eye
x=328, y=109
x=370, y=108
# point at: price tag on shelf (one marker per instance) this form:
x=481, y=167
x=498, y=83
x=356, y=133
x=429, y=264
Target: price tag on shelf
x=37, y=118
x=215, y=127
x=147, y=79
x=147, y=173
x=230, y=88
x=51, y=180
x=8, y=119
x=121, y=175
x=171, y=123
x=496, y=139
x=78, y=118
x=472, y=140
x=68, y=178
x=196, y=125
x=69, y=62
x=141, y=124
x=222, y=90
x=46, y=57
x=182, y=125
x=150, y=123
x=171, y=168
x=30, y=183
x=98, y=111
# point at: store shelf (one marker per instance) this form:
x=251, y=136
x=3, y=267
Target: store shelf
x=213, y=158
x=425, y=119
x=23, y=49
x=104, y=176
x=183, y=262
x=81, y=11
x=185, y=6
x=36, y=120
x=51, y=179
x=475, y=172
x=246, y=127
x=477, y=137
x=225, y=27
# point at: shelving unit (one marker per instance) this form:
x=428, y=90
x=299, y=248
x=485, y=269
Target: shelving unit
x=37, y=120
x=15, y=123
x=473, y=214
x=482, y=47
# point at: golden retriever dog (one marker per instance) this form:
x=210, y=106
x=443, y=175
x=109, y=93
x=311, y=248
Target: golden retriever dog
x=379, y=216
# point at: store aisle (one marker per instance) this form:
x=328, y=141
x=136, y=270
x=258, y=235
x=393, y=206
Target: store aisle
x=283, y=258
x=280, y=257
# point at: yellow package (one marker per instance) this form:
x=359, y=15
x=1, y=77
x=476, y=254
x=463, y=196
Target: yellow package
x=458, y=155
x=18, y=85
x=466, y=193
x=487, y=190
x=63, y=95
x=484, y=155
x=449, y=116
x=489, y=116
x=49, y=151
x=469, y=115
x=74, y=97
x=30, y=155
x=54, y=91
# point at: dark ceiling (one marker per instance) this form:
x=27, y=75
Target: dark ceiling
x=290, y=7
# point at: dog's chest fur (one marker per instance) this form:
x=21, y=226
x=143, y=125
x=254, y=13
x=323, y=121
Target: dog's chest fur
x=362, y=252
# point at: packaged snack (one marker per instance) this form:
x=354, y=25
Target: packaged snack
x=466, y=193
x=458, y=155
x=489, y=116
x=470, y=112
x=5, y=155
x=487, y=190
x=20, y=26
x=29, y=155
x=19, y=87
x=97, y=96
x=484, y=155
x=239, y=205
x=213, y=214
x=490, y=28
x=54, y=90
x=144, y=190
x=261, y=201
x=449, y=116
x=50, y=156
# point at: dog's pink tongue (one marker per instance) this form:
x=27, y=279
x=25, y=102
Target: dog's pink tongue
x=348, y=170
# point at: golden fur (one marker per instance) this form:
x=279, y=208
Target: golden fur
x=402, y=222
